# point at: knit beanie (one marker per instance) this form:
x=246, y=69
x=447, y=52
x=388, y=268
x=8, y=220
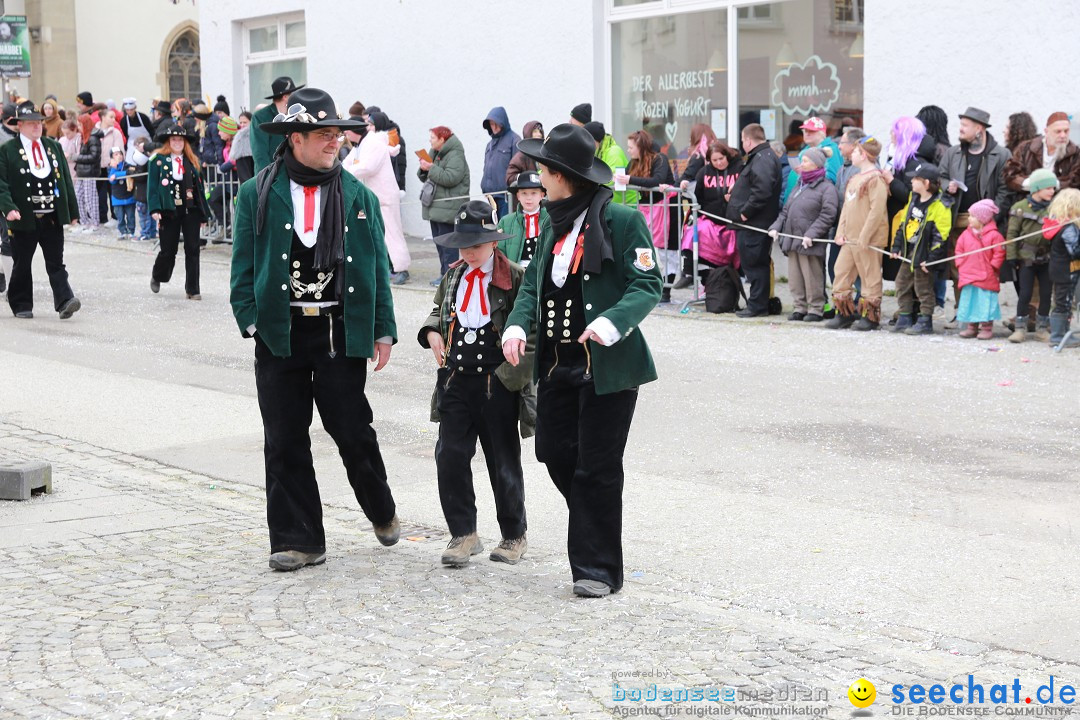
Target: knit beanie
x=596, y=129
x=227, y=125
x=582, y=113
x=815, y=155
x=221, y=105
x=984, y=211
x=1042, y=179
x=85, y=98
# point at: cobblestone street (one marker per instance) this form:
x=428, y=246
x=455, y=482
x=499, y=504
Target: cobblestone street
x=803, y=508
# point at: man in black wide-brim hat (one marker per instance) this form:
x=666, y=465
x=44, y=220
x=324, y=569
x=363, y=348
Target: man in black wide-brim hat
x=592, y=281
x=37, y=198
x=311, y=284
x=263, y=146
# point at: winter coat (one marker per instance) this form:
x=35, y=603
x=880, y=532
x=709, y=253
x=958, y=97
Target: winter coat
x=1064, y=252
x=981, y=269
x=88, y=163
x=118, y=185
x=162, y=188
x=263, y=144
x=756, y=193
x=140, y=166
x=240, y=154
x=211, y=146
x=990, y=184
x=399, y=161
x=1026, y=217
x=659, y=174
x=450, y=173
x=614, y=157
x=15, y=193
x=810, y=211
x=499, y=150
x=71, y=151
x=863, y=221
x=1028, y=157
x=922, y=238
x=833, y=163
x=109, y=139
x=900, y=187
x=712, y=185
x=521, y=162
x=694, y=165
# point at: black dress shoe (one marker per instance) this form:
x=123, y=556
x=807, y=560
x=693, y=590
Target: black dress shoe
x=25, y=315
x=69, y=308
x=155, y=286
x=748, y=313
x=795, y=316
x=812, y=317
x=683, y=282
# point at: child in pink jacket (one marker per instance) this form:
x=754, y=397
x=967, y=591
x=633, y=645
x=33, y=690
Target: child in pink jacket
x=979, y=273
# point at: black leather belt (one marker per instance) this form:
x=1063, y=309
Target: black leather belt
x=310, y=311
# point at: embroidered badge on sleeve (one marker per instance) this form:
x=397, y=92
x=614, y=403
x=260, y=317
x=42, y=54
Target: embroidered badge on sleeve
x=644, y=259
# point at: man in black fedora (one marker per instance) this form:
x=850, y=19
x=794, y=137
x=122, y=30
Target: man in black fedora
x=311, y=284
x=972, y=170
x=592, y=281
x=478, y=395
x=263, y=146
x=37, y=198
x=162, y=117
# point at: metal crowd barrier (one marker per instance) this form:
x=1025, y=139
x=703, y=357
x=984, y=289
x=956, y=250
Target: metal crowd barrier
x=228, y=184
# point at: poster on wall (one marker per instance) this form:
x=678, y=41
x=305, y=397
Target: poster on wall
x=806, y=88
x=14, y=46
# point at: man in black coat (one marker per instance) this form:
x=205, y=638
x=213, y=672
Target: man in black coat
x=755, y=200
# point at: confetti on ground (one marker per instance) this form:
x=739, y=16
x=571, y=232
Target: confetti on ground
x=1005, y=383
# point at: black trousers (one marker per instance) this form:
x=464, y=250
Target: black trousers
x=1027, y=276
x=754, y=255
x=49, y=234
x=471, y=407
x=446, y=255
x=169, y=230
x=1063, y=298
x=104, y=196
x=288, y=388
x=581, y=437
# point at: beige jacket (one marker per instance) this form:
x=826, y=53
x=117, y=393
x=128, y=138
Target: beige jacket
x=864, y=220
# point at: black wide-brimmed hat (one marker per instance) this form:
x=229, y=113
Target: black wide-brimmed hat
x=175, y=130
x=526, y=180
x=309, y=109
x=26, y=111
x=163, y=107
x=282, y=86
x=474, y=224
x=980, y=116
x=570, y=149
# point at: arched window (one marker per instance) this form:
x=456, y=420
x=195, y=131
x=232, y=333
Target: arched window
x=183, y=67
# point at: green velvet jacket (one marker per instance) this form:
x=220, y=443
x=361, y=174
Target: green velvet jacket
x=261, y=292
x=161, y=187
x=514, y=226
x=17, y=184
x=625, y=291
x=263, y=145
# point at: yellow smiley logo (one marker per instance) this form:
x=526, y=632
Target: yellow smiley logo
x=862, y=693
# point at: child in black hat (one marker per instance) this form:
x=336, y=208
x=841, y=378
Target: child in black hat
x=524, y=226
x=478, y=395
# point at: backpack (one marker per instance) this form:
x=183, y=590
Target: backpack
x=723, y=289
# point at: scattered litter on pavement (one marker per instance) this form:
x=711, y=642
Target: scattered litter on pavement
x=1005, y=383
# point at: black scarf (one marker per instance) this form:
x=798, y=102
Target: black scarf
x=330, y=244
x=592, y=202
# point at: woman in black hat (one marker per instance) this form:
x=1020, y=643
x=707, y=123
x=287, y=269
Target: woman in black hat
x=592, y=281
x=176, y=198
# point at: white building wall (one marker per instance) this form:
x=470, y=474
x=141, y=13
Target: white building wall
x=120, y=43
x=999, y=55
x=427, y=63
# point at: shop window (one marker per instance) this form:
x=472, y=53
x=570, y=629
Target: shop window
x=669, y=73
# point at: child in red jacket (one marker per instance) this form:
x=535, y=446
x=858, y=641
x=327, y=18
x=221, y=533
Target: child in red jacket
x=979, y=273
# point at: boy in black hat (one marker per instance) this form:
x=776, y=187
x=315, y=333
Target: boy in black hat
x=263, y=147
x=593, y=280
x=478, y=394
x=524, y=226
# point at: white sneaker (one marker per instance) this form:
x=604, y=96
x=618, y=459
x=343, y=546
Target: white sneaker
x=939, y=312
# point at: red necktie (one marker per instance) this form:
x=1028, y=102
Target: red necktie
x=576, y=259
x=532, y=225
x=39, y=159
x=178, y=167
x=477, y=277
x=309, y=208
